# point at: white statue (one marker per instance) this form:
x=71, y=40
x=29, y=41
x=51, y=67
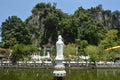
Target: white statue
x=59, y=67
x=59, y=47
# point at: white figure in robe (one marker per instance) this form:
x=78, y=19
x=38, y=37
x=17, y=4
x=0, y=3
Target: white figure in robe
x=59, y=46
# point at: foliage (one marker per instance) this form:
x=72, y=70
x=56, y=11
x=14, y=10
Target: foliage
x=21, y=50
x=14, y=31
x=69, y=50
x=97, y=53
x=1, y=44
x=84, y=44
x=112, y=53
x=116, y=21
x=92, y=51
x=68, y=30
x=18, y=50
x=102, y=54
x=111, y=39
x=45, y=23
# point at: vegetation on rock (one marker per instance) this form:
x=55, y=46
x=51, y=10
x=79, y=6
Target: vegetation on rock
x=94, y=26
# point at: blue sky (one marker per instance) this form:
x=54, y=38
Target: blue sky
x=22, y=8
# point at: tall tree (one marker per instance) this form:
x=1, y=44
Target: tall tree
x=69, y=28
x=14, y=30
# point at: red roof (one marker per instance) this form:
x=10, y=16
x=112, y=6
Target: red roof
x=2, y=50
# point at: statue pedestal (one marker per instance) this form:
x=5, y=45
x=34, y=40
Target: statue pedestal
x=60, y=73
x=59, y=69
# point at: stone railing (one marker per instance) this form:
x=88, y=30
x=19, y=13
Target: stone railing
x=50, y=64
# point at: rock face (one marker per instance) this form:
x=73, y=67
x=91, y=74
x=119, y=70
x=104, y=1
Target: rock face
x=104, y=17
x=42, y=33
x=36, y=27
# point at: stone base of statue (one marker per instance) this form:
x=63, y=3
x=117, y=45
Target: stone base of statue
x=60, y=73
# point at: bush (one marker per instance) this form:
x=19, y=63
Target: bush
x=92, y=51
x=21, y=50
x=69, y=50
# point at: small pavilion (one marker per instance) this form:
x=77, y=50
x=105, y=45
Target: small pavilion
x=47, y=49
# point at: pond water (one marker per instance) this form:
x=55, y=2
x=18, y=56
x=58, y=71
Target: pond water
x=46, y=74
